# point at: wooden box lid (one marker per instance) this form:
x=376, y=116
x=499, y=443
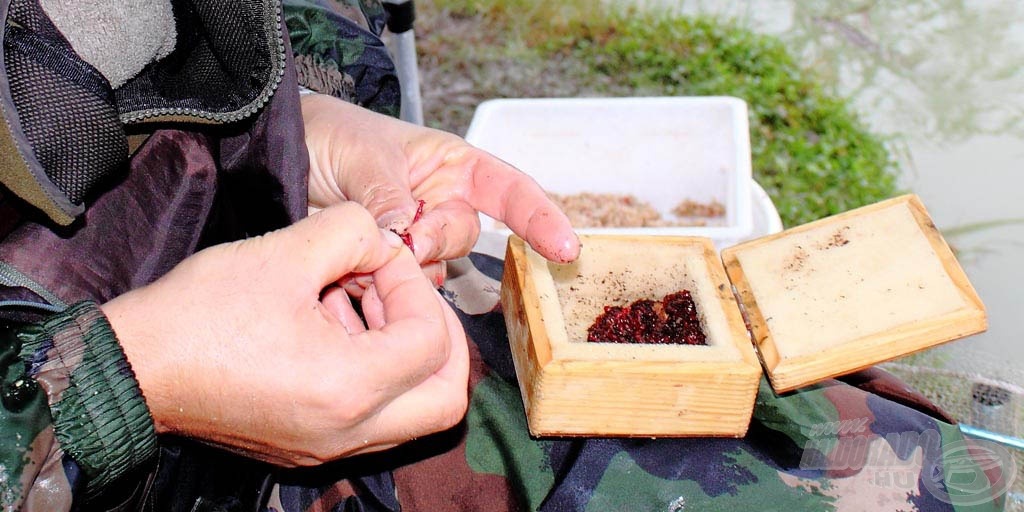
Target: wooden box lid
x=846, y=292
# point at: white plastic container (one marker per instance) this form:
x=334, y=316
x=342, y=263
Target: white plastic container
x=662, y=150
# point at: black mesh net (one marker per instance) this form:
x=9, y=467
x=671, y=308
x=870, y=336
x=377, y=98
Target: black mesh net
x=65, y=107
x=72, y=118
x=220, y=62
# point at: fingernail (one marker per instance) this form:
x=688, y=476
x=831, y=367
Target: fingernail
x=363, y=280
x=395, y=220
x=569, y=249
x=440, y=276
x=392, y=239
x=424, y=248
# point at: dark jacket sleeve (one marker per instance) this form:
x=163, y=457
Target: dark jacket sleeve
x=338, y=51
x=73, y=416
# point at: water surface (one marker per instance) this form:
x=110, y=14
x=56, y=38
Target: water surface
x=945, y=80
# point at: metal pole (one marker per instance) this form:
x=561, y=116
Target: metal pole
x=401, y=15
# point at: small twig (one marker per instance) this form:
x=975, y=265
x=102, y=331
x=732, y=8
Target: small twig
x=972, y=227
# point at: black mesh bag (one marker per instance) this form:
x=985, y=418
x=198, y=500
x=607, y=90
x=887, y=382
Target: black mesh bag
x=65, y=107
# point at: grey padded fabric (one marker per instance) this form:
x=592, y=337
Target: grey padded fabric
x=117, y=37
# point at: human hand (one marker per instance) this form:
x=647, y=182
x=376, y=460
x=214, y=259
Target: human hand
x=389, y=165
x=239, y=345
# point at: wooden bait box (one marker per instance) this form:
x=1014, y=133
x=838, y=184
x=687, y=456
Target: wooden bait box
x=810, y=303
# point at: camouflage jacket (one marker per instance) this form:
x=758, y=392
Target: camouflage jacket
x=76, y=435
x=202, y=147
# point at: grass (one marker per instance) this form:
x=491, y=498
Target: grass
x=810, y=150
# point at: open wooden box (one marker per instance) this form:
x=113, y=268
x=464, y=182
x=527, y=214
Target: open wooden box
x=821, y=300
x=571, y=386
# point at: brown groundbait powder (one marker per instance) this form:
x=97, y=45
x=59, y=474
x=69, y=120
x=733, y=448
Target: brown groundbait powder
x=592, y=210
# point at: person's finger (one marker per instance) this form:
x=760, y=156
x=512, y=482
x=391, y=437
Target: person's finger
x=457, y=368
x=392, y=205
x=373, y=308
x=407, y=339
x=331, y=243
x=381, y=184
x=437, y=403
x=446, y=231
x=436, y=272
x=356, y=284
x=506, y=194
x=336, y=300
x=349, y=162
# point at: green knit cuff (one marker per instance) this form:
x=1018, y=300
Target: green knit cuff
x=99, y=414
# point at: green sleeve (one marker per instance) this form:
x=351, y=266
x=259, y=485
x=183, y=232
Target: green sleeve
x=75, y=410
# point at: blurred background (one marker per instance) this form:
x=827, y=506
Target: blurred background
x=850, y=102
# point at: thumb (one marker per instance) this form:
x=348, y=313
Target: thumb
x=380, y=182
x=334, y=242
x=392, y=205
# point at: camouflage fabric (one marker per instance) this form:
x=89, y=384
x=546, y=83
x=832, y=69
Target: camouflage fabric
x=72, y=411
x=862, y=443
x=338, y=51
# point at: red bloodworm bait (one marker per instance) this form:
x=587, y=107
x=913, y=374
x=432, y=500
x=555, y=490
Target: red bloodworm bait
x=419, y=211
x=672, y=320
x=406, y=239
x=405, y=236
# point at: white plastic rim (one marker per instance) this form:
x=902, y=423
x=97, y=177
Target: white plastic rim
x=651, y=147
x=766, y=221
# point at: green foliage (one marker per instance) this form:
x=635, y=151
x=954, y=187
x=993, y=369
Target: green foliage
x=810, y=150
